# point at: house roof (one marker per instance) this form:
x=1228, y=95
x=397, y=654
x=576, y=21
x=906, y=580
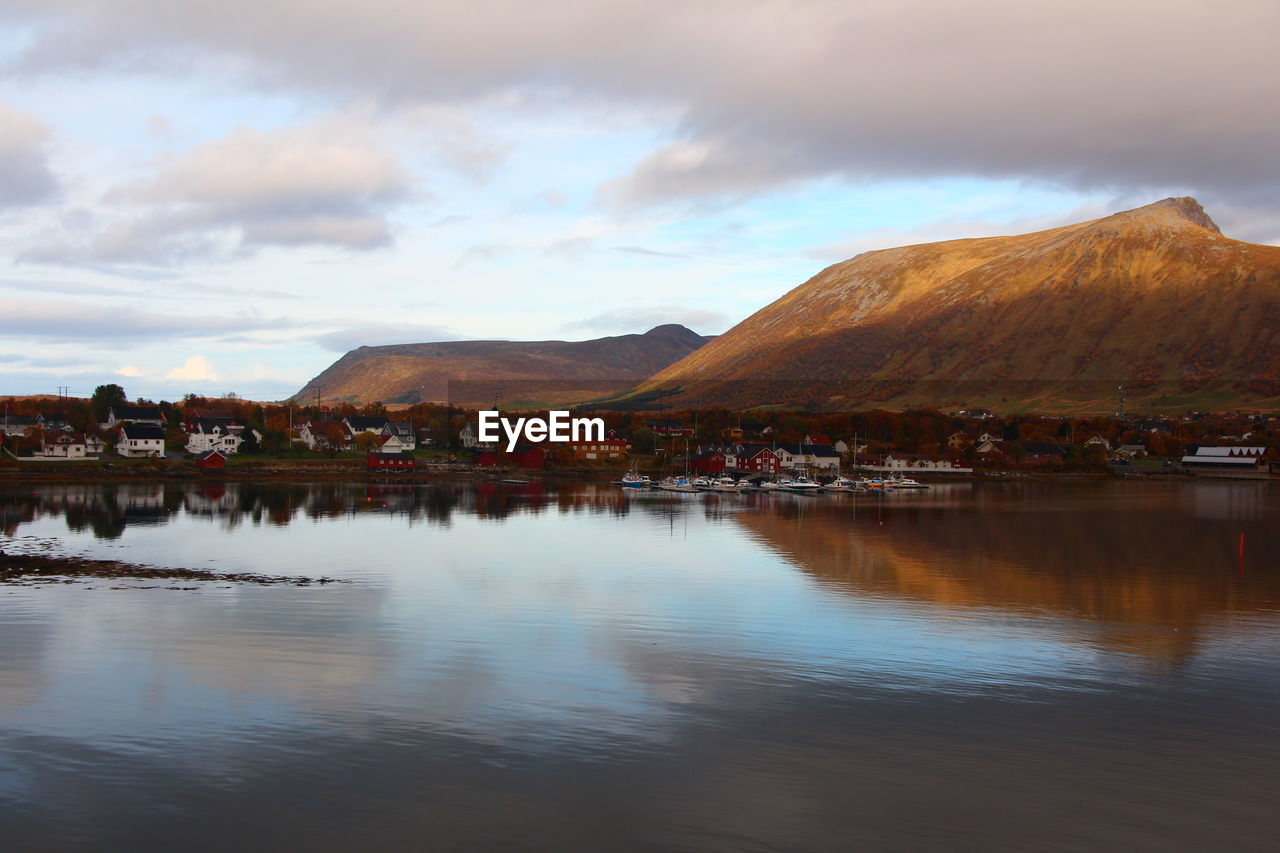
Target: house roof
x=137, y=413
x=18, y=420
x=200, y=457
x=208, y=413
x=809, y=449
x=207, y=425
x=142, y=431
x=1230, y=451
x=360, y=423
x=1228, y=461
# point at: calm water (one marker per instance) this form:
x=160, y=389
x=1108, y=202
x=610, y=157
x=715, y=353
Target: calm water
x=1013, y=667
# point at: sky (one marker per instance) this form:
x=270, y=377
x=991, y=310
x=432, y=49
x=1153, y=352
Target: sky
x=209, y=197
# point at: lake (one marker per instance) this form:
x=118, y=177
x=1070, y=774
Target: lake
x=1006, y=666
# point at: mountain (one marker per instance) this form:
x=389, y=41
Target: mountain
x=1155, y=299
x=478, y=372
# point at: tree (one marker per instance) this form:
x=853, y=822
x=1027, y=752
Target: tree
x=249, y=442
x=104, y=397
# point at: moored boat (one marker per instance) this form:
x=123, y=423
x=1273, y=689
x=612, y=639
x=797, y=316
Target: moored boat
x=804, y=484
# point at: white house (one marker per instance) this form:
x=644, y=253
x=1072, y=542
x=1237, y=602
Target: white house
x=117, y=415
x=395, y=444
x=364, y=423
x=214, y=434
x=908, y=462
x=403, y=432
x=1099, y=440
x=56, y=444
x=17, y=425
x=1226, y=458
x=468, y=436
x=313, y=434
x=799, y=456
x=140, y=440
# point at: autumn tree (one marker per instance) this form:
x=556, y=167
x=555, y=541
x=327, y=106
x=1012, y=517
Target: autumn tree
x=104, y=398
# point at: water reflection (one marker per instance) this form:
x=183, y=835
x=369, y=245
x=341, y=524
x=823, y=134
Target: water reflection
x=613, y=671
x=1149, y=568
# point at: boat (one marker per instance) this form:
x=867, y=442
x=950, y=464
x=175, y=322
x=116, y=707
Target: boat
x=677, y=484
x=728, y=484
x=702, y=483
x=804, y=484
x=908, y=483
x=776, y=485
x=512, y=481
x=843, y=484
x=634, y=480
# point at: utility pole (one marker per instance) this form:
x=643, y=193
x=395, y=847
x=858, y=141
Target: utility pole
x=1121, y=412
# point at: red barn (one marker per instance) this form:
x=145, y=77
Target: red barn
x=529, y=457
x=391, y=463
x=211, y=460
x=761, y=461
x=711, y=463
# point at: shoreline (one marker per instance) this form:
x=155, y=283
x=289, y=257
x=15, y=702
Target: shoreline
x=37, y=569
x=428, y=473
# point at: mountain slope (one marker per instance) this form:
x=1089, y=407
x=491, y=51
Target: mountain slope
x=1154, y=299
x=477, y=372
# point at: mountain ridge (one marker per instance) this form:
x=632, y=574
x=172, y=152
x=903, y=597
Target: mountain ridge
x=1146, y=298
x=470, y=372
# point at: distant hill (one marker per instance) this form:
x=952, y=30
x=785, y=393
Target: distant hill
x=1155, y=299
x=478, y=372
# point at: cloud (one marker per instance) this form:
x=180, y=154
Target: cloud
x=631, y=320
x=321, y=183
x=956, y=228
x=78, y=322
x=351, y=338
x=196, y=368
x=25, y=176
x=129, y=370
x=652, y=253
x=1089, y=94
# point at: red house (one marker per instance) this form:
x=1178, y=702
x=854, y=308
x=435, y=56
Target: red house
x=211, y=460
x=711, y=463
x=529, y=456
x=613, y=446
x=759, y=461
x=390, y=463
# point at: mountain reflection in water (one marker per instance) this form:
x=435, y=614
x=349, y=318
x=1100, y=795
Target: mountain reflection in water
x=1149, y=567
x=986, y=666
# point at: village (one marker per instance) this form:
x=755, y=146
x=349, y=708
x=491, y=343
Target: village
x=208, y=434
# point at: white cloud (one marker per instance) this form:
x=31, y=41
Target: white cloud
x=25, y=176
x=195, y=368
x=641, y=319
x=322, y=183
x=1091, y=94
x=372, y=335
x=75, y=321
x=129, y=370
